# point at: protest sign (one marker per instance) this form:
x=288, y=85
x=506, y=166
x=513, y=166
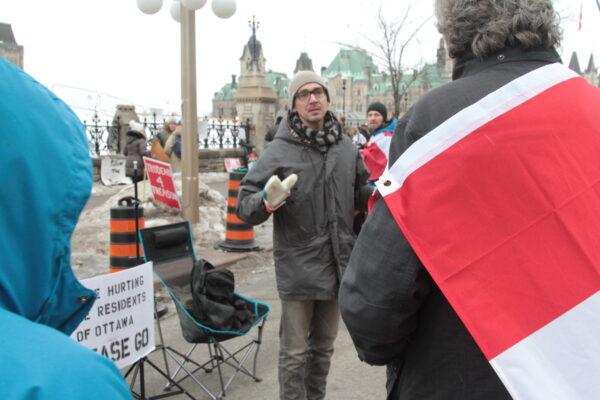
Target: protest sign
x=231, y=163
x=161, y=182
x=120, y=324
x=112, y=171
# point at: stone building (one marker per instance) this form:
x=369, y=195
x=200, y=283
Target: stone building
x=9, y=48
x=354, y=82
x=254, y=97
x=224, y=102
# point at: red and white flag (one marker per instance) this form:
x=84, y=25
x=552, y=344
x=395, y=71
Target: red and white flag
x=376, y=153
x=501, y=203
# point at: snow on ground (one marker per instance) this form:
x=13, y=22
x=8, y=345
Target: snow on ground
x=211, y=177
x=91, y=239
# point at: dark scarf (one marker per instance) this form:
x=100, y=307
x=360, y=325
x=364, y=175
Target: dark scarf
x=321, y=139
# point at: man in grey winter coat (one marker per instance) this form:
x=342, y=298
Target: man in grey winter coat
x=312, y=179
x=395, y=312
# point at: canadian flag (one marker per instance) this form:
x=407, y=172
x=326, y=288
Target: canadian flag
x=501, y=203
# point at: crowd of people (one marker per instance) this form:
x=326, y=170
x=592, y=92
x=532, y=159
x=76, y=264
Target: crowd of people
x=313, y=178
x=314, y=181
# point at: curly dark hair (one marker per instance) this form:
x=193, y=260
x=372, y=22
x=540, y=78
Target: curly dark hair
x=484, y=27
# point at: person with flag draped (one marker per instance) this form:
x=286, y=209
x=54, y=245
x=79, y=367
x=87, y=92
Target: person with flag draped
x=476, y=275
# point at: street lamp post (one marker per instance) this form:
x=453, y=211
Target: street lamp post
x=185, y=13
x=189, y=141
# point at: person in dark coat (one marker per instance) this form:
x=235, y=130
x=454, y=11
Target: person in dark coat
x=135, y=150
x=311, y=178
x=395, y=313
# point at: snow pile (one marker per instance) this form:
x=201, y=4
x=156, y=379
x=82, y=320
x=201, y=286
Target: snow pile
x=91, y=239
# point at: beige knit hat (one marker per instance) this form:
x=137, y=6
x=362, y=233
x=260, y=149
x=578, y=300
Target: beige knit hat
x=301, y=79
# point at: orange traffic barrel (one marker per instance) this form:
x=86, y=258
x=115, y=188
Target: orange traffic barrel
x=123, y=235
x=239, y=236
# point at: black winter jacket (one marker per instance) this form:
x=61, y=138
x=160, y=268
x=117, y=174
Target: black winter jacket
x=394, y=311
x=135, y=150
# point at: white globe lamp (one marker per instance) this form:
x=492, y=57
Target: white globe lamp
x=193, y=4
x=175, y=10
x=149, y=6
x=223, y=8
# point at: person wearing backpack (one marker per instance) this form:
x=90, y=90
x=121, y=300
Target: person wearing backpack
x=173, y=149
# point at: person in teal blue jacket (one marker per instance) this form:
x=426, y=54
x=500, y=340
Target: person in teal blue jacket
x=45, y=180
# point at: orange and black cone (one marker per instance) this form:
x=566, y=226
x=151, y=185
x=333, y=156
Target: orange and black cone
x=123, y=235
x=239, y=236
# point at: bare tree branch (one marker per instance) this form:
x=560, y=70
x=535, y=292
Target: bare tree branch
x=395, y=36
x=391, y=39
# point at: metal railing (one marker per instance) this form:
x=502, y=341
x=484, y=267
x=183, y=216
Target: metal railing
x=100, y=136
x=103, y=137
x=223, y=134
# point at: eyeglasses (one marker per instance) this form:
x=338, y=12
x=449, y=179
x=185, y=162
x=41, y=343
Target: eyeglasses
x=304, y=95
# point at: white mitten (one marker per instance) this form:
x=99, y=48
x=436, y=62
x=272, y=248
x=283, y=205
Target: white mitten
x=276, y=191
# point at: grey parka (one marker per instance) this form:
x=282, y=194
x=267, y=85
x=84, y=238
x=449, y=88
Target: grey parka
x=312, y=231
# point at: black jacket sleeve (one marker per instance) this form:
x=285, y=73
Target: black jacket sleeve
x=361, y=188
x=382, y=290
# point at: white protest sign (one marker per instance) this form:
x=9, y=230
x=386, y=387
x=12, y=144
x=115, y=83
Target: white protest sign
x=120, y=325
x=112, y=171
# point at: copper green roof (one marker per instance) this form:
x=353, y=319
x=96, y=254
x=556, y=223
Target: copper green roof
x=381, y=84
x=279, y=82
x=432, y=74
x=226, y=93
x=351, y=63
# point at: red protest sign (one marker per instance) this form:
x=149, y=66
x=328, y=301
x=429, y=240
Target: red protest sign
x=232, y=163
x=161, y=182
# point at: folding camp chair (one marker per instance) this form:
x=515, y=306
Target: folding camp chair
x=171, y=250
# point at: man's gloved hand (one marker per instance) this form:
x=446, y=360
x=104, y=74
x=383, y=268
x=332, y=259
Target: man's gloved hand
x=276, y=191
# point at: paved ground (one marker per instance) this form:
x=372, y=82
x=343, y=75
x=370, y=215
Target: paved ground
x=255, y=278
x=349, y=378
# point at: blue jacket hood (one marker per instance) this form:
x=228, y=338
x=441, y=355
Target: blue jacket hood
x=46, y=178
x=390, y=127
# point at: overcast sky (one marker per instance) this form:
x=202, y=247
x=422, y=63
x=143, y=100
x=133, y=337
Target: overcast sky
x=97, y=53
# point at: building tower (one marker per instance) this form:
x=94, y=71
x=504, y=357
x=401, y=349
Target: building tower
x=591, y=72
x=254, y=97
x=304, y=63
x=9, y=48
x=574, y=64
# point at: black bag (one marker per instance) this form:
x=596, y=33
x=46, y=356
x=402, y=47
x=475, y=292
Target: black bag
x=214, y=303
